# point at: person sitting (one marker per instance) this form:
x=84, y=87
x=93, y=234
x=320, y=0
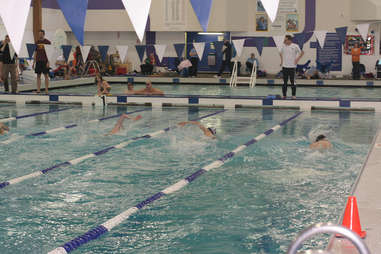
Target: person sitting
x=209, y=132
x=119, y=125
x=3, y=129
x=149, y=63
x=312, y=73
x=321, y=143
x=193, y=69
x=184, y=68
x=103, y=87
x=250, y=62
x=62, y=68
x=149, y=90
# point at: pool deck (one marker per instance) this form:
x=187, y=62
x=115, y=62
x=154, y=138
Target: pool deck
x=367, y=192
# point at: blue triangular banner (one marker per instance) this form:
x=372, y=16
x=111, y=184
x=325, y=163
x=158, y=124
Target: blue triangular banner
x=259, y=43
x=342, y=33
x=218, y=45
x=141, y=49
x=66, y=49
x=300, y=39
x=31, y=48
x=103, y=51
x=202, y=9
x=75, y=15
x=179, y=49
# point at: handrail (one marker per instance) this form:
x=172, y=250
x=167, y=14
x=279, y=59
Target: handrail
x=328, y=228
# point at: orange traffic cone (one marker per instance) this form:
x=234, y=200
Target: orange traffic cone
x=351, y=218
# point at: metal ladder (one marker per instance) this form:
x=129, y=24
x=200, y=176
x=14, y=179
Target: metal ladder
x=235, y=78
x=327, y=228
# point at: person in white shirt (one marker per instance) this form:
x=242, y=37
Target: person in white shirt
x=290, y=54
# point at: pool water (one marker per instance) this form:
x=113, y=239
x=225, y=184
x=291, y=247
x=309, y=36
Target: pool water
x=256, y=203
x=223, y=90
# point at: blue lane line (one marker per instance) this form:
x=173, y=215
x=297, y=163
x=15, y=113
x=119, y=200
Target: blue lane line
x=117, y=220
x=92, y=155
x=3, y=120
x=68, y=127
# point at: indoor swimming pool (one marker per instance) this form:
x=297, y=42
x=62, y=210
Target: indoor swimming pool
x=256, y=203
x=225, y=90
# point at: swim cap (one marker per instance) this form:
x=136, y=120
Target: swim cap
x=320, y=137
x=213, y=131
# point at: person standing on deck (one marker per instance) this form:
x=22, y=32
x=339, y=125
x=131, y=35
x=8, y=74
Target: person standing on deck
x=41, y=62
x=290, y=54
x=356, y=53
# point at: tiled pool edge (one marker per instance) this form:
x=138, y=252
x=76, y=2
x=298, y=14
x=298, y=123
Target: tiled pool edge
x=367, y=189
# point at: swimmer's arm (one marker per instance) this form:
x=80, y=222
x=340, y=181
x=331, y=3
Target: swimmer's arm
x=182, y=124
x=158, y=92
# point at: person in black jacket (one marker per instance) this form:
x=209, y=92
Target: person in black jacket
x=9, y=65
x=226, y=58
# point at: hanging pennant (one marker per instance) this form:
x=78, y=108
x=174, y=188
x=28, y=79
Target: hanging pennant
x=300, y=39
x=138, y=11
x=202, y=9
x=75, y=15
x=238, y=45
x=51, y=53
x=103, y=51
x=271, y=8
x=320, y=36
x=279, y=41
x=179, y=49
x=363, y=30
x=200, y=47
x=141, y=50
x=160, y=51
x=31, y=49
x=342, y=33
x=66, y=50
x=122, y=50
x=85, y=50
x=259, y=43
x=14, y=15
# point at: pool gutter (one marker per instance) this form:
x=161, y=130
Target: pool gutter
x=367, y=191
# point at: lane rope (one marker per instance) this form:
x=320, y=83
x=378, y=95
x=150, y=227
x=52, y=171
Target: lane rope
x=70, y=126
x=4, y=120
x=117, y=220
x=92, y=155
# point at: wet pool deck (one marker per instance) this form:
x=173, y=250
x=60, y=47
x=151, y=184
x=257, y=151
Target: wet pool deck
x=367, y=191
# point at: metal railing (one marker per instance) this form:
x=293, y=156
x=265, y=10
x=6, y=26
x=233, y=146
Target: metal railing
x=327, y=228
x=235, y=78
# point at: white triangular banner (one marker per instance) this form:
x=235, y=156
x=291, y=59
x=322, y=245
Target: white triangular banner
x=160, y=50
x=363, y=30
x=199, y=47
x=14, y=15
x=11, y=50
x=85, y=50
x=320, y=36
x=28, y=38
x=51, y=53
x=279, y=41
x=122, y=50
x=271, y=8
x=138, y=11
x=238, y=45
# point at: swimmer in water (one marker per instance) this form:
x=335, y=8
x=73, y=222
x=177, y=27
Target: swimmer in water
x=119, y=125
x=3, y=129
x=149, y=90
x=321, y=143
x=130, y=90
x=209, y=132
